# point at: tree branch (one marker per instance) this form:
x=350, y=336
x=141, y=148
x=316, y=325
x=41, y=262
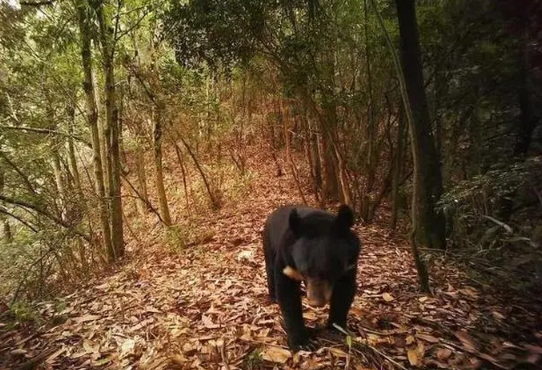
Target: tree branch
x=44, y=212
x=36, y=3
x=46, y=132
x=21, y=173
x=6, y=212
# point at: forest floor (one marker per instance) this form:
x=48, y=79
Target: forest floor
x=205, y=306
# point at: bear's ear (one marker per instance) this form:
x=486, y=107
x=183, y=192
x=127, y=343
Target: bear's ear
x=294, y=222
x=345, y=217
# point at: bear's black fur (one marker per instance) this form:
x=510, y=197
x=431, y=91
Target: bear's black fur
x=309, y=244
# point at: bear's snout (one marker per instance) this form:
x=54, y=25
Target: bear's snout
x=318, y=292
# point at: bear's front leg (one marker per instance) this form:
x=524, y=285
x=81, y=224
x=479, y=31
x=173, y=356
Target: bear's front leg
x=341, y=299
x=289, y=298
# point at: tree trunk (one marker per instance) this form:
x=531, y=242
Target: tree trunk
x=112, y=136
x=157, y=154
x=92, y=117
x=287, y=140
x=317, y=164
x=527, y=117
x=102, y=129
x=398, y=164
x=430, y=222
x=329, y=176
x=346, y=197
x=71, y=156
x=311, y=159
x=183, y=173
x=371, y=127
x=59, y=179
x=214, y=202
x=8, y=236
x=143, y=202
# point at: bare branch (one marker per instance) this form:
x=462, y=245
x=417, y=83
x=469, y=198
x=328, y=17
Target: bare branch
x=36, y=3
x=26, y=181
x=46, y=131
x=44, y=212
x=20, y=219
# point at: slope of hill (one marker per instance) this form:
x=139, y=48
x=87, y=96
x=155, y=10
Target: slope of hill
x=205, y=307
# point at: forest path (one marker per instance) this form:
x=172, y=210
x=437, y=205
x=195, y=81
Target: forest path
x=205, y=307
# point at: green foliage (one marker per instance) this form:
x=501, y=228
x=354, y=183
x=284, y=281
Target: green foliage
x=468, y=204
x=223, y=75
x=24, y=312
x=481, y=194
x=254, y=360
x=175, y=238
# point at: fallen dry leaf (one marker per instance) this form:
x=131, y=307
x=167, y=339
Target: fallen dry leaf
x=533, y=349
x=427, y=337
x=338, y=352
x=413, y=357
x=443, y=354
x=467, y=341
x=86, y=318
x=387, y=297
x=276, y=354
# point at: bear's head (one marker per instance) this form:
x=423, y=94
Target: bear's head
x=324, y=250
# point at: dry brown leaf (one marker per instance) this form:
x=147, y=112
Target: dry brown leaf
x=57, y=353
x=534, y=349
x=467, y=341
x=310, y=315
x=179, y=359
x=498, y=315
x=86, y=318
x=127, y=347
x=19, y=351
x=387, y=297
x=443, y=354
x=413, y=357
x=208, y=323
x=276, y=354
x=427, y=337
x=338, y=352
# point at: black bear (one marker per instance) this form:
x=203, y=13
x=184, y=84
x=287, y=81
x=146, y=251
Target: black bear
x=314, y=246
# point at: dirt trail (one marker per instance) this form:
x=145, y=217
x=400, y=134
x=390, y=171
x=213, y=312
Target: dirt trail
x=205, y=307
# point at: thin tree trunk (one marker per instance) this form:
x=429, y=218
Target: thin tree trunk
x=102, y=132
x=371, y=127
x=329, y=176
x=346, y=197
x=112, y=135
x=310, y=158
x=214, y=201
x=421, y=268
x=183, y=173
x=287, y=140
x=59, y=179
x=8, y=236
x=92, y=117
x=398, y=163
x=430, y=222
x=157, y=155
x=317, y=165
x=273, y=150
x=72, y=158
x=143, y=202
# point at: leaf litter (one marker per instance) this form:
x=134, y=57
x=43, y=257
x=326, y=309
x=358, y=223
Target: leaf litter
x=206, y=307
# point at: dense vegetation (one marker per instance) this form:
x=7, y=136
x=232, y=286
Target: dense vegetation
x=421, y=114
